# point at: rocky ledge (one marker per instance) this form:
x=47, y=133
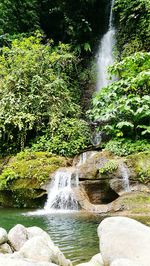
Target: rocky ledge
x=123, y=242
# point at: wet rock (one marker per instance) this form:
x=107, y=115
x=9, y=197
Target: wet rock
x=122, y=237
x=3, y=236
x=5, y=248
x=17, y=236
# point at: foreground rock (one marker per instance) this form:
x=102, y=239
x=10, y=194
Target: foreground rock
x=29, y=246
x=125, y=239
x=3, y=236
x=95, y=261
x=10, y=261
x=124, y=262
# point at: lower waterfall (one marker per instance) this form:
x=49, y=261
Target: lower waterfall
x=125, y=177
x=61, y=195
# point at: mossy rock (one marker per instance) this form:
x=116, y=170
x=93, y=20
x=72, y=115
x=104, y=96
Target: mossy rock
x=25, y=198
x=133, y=203
x=29, y=170
x=139, y=165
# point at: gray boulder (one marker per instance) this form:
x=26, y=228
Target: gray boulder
x=11, y=261
x=41, y=248
x=3, y=236
x=95, y=261
x=36, y=231
x=5, y=248
x=124, y=262
x=17, y=236
x=122, y=237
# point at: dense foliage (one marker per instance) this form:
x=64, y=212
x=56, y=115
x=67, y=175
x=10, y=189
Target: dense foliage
x=68, y=21
x=133, y=25
x=38, y=91
x=124, y=146
x=123, y=108
x=18, y=16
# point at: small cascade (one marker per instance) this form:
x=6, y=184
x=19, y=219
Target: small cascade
x=61, y=195
x=125, y=177
x=105, y=54
x=83, y=157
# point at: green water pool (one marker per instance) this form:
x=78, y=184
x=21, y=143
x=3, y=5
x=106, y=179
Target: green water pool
x=74, y=233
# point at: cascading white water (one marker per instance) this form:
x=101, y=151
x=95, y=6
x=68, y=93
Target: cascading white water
x=61, y=195
x=83, y=157
x=125, y=177
x=105, y=54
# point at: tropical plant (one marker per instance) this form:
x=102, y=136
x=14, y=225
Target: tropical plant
x=38, y=88
x=123, y=108
x=133, y=25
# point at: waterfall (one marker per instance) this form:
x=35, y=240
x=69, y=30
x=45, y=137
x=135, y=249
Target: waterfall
x=83, y=157
x=61, y=195
x=125, y=177
x=105, y=54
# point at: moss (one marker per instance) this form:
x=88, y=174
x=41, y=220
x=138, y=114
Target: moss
x=26, y=198
x=140, y=164
x=29, y=170
x=109, y=167
x=138, y=199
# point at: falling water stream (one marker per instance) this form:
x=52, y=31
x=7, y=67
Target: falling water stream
x=105, y=54
x=61, y=195
x=125, y=177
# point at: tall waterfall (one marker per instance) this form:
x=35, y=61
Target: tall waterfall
x=61, y=195
x=105, y=54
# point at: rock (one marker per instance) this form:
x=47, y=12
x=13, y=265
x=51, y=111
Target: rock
x=17, y=236
x=5, y=248
x=122, y=237
x=124, y=262
x=95, y=261
x=132, y=203
x=36, y=231
x=11, y=261
x=41, y=248
x=36, y=248
x=3, y=236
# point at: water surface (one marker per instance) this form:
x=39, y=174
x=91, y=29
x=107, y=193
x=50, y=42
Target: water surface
x=75, y=232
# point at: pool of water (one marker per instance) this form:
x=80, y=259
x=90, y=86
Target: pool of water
x=75, y=233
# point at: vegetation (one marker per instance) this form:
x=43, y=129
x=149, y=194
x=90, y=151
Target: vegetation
x=29, y=170
x=141, y=164
x=124, y=146
x=46, y=50
x=39, y=95
x=133, y=25
x=123, y=108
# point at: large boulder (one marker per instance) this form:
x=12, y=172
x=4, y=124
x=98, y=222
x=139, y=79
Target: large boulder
x=41, y=248
x=124, y=262
x=37, y=231
x=17, y=236
x=122, y=237
x=95, y=261
x=11, y=261
x=3, y=236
